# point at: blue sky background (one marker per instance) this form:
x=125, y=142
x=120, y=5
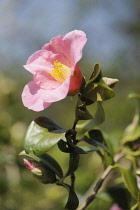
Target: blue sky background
x=26, y=25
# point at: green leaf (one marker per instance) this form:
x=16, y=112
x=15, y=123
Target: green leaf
x=97, y=88
x=48, y=123
x=95, y=138
x=132, y=132
x=81, y=111
x=73, y=164
x=129, y=180
x=39, y=140
x=98, y=118
x=134, y=95
x=73, y=200
x=64, y=147
x=29, y=155
x=47, y=142
x=96, y=75
x=94, y=143
x=47, y=160
x=89, y=149
x=95, y=134
x=98, y=91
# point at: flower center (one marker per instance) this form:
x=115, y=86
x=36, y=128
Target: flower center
x=60, y=72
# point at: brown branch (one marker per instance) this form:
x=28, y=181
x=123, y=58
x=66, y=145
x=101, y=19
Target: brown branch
x=93, y=190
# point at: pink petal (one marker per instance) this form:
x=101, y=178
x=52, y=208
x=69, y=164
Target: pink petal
x=59, y=93
x=41, y=60
x=76, y=81
x=56, y=46
x=28, y=164
x=32, y=97
x=69, y=47
x=74, y=42
x=45, y=80
x=40, y=64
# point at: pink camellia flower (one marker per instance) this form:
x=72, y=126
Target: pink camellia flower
x=55, y=71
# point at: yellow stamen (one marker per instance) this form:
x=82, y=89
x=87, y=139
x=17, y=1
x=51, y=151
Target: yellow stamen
x=60, y=72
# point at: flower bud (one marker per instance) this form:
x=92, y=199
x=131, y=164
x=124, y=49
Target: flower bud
x=110, y=82
x=43, y=174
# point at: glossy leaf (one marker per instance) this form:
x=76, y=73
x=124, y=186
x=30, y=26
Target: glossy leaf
x=48, y=123
x=39, y=140
x=47, y=142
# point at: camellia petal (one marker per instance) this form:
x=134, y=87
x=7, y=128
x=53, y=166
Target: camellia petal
x=76, y=81
x=74, y=43
x=45, y=80
x=70, y=45
x=40, y=60
x=55, y=71
x=32, y=99
x=57, y=94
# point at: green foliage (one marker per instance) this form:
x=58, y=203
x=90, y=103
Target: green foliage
x=14, y=176
x=43, y=134
x=129, y=180
x=41, y=139
x=95, y=88
x=132, y=132
x=81, y=111
x=72, y=202
x=95, y=138
x=98, y=118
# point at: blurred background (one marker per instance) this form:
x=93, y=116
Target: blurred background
x=113, y=33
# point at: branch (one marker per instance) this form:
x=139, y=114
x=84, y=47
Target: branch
x=93, y=190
